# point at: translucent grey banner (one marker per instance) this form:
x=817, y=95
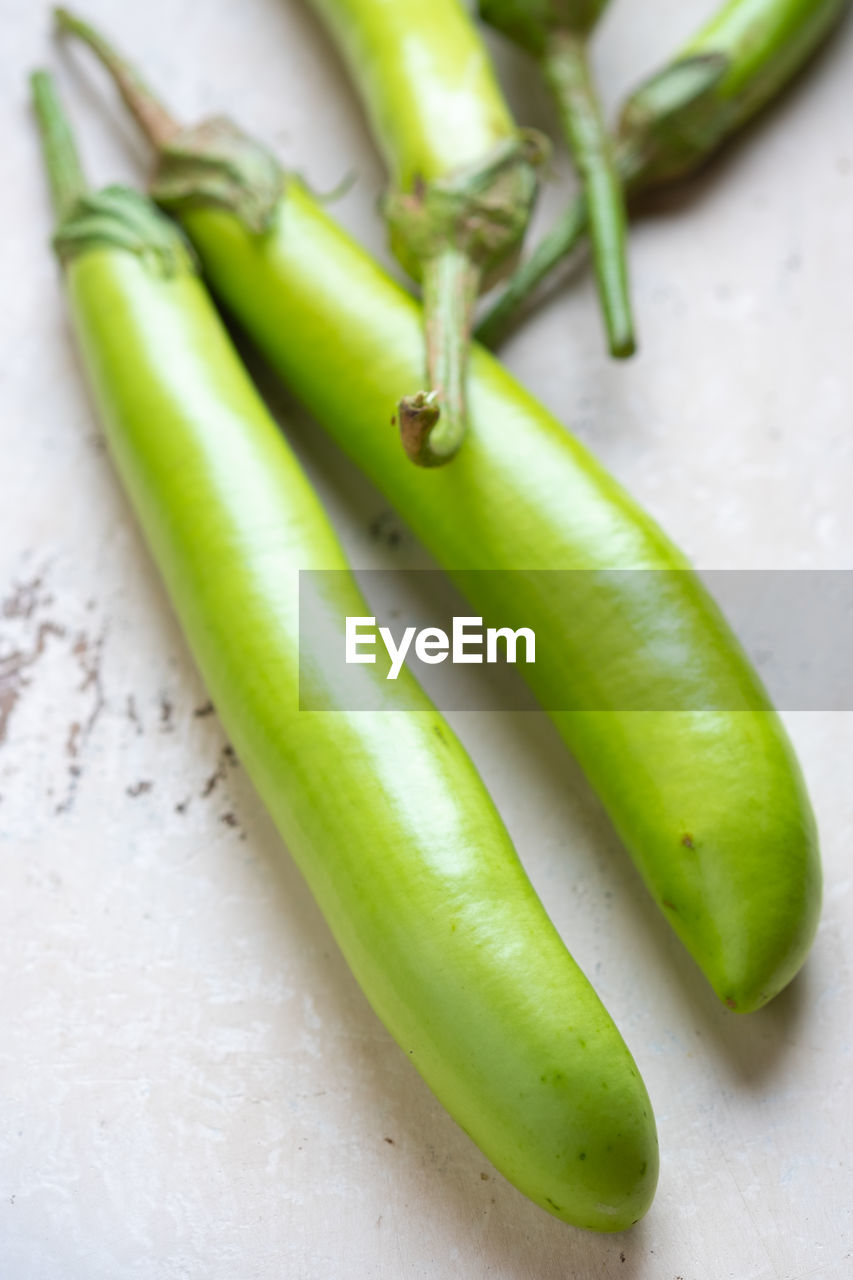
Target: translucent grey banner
x=577, y=640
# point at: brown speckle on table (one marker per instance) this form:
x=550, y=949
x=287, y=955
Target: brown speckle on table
x=227, y=758
x=132, y=713
x=89, y=654
x=166, y=714
x=206, y=710
x=72, y=742
x=13, y=666
x=22, y=606
x=385, y=528
x=24, y=599
x=140, y=788
x=211, y=783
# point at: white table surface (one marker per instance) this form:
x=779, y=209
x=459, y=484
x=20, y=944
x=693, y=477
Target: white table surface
x=191, y=1084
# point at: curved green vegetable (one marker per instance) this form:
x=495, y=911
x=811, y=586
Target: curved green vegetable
x=708, y=800
x=462, y=181
x=678, y=118
x=383, y=811
x=555, y=32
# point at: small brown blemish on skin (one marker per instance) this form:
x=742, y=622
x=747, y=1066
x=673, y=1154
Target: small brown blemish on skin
x=669, y=905
x=687, y=841
x=731, y=1002
x=140, y=788
x=394, y=420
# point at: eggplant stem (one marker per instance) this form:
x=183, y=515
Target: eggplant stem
x=62, y=161
x=567, y=70
x=433, y=423
x=155, y=120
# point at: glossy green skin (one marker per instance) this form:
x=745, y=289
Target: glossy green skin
x=383, y=811
x=765, y=42
x=710, y=804
x=426, y=80
x=761, y=44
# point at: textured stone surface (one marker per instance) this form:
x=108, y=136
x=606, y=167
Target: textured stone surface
x=192, y=1084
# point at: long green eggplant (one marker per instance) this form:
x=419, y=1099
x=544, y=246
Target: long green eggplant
x=383, y=811
x=670, y=723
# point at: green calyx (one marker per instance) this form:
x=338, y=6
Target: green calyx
x=457, y=235
x=481, y=211
x=212, y=163
x=215, y=163
x=119, y=218
x=529, y=23
x=673, y=121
